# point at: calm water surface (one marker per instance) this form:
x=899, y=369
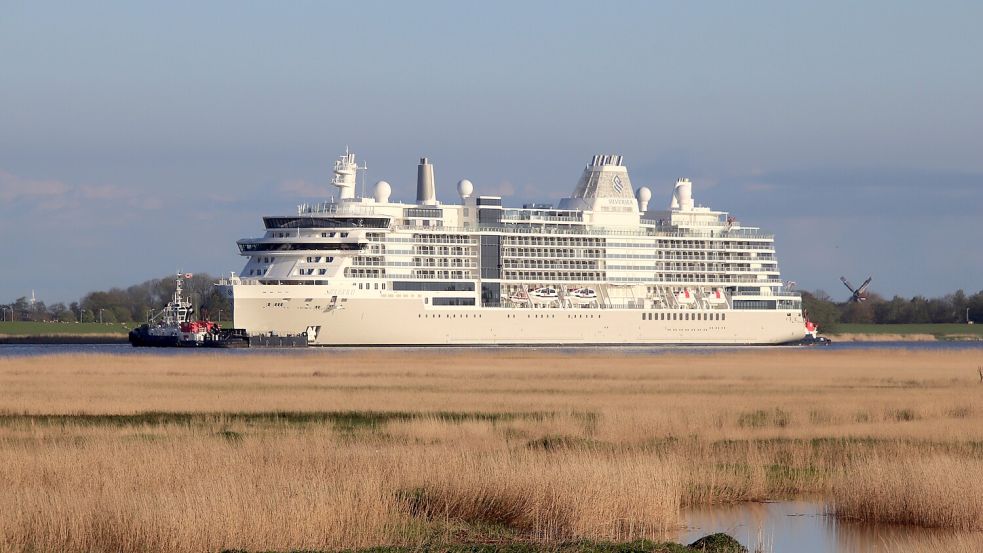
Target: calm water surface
x=803, y=526
x=10, y=350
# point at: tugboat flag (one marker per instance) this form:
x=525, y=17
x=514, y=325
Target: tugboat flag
x=188, y=275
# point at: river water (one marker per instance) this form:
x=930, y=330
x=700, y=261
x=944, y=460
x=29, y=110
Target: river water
x=11, y=350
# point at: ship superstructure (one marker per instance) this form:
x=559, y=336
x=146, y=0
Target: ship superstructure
x=602, y=267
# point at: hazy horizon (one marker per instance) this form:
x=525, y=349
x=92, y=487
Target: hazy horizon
x=137, y=140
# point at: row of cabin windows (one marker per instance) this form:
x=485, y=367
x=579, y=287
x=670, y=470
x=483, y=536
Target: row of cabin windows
x=311, y=271
x=314, y=259
x=684, y=316
x=294, y=234
x=369, y=286
x=449, y=316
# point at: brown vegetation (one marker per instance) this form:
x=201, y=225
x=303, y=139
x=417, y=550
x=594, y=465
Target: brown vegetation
x=329, y=450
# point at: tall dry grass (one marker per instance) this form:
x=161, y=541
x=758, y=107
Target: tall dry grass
x=932, y=491
x=188, y=490
x=330, y=450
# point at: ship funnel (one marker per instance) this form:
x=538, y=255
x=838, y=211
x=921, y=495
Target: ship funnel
x=682, y=195
x=426, y=190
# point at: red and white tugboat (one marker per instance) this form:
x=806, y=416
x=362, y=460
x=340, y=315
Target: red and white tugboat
x=173, y=327
x=812, y=336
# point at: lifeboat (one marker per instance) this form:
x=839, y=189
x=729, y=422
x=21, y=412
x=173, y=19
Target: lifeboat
x=686, y=297
x=582, y=296
x=716, y=296
x=544, y=295
x=520, y=297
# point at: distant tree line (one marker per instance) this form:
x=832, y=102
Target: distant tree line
x=951, y=308
x=118, y=305
x=134, y=303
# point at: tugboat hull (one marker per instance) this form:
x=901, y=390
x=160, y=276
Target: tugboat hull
x=142, y=338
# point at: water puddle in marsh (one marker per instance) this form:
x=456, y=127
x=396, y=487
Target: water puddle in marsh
x=802, y=526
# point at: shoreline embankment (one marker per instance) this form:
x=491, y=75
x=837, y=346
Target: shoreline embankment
x=53, y=339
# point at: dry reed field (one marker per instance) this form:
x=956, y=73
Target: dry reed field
x=331, y=450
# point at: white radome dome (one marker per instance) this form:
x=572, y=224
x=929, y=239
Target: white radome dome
x=643, y=195
x=465, y=188
x=382, y=192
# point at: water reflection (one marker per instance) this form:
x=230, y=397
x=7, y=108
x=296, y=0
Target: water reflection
x=803, y=526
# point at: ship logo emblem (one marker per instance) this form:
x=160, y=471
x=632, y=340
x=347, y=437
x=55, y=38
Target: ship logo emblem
x=617, y=184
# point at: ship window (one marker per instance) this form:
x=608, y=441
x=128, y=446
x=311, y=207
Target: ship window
x=723, y=316
x=643, y=316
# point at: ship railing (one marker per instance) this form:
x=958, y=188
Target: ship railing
x=466, y=276
x=765, y=245
x=536, y=218
x=783, y=293
x=411, y=264
x=751, y=235
x=563, y=255
x=607, y=231
x=331, y=207
x=709, y=279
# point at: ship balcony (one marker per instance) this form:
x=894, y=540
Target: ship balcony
x=398, y=240
x=784, y=292
x=539, y=255
x=718, y=280
x=255, y=245
x=512, y=216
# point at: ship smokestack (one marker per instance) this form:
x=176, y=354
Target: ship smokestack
x=426, y=190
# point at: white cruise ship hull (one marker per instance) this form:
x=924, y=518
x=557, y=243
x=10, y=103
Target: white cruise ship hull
x=393, y=321
x=601, y=268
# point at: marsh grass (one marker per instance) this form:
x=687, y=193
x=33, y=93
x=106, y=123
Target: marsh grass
x=105, y=453
x=940, y=491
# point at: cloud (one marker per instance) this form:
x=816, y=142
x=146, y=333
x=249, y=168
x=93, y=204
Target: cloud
x=759, y=187
x=14, y=188
x=301, y=188
x=504, y=189
x=39, y=195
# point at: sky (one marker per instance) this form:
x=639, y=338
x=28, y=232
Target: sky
x=142, y=138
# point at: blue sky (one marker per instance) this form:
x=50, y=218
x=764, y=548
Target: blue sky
x=137, y=139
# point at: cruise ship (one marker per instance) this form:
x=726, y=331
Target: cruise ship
x=603, y=267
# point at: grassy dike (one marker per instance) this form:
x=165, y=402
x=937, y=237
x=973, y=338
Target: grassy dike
x=19, y=328
x=63, y=333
